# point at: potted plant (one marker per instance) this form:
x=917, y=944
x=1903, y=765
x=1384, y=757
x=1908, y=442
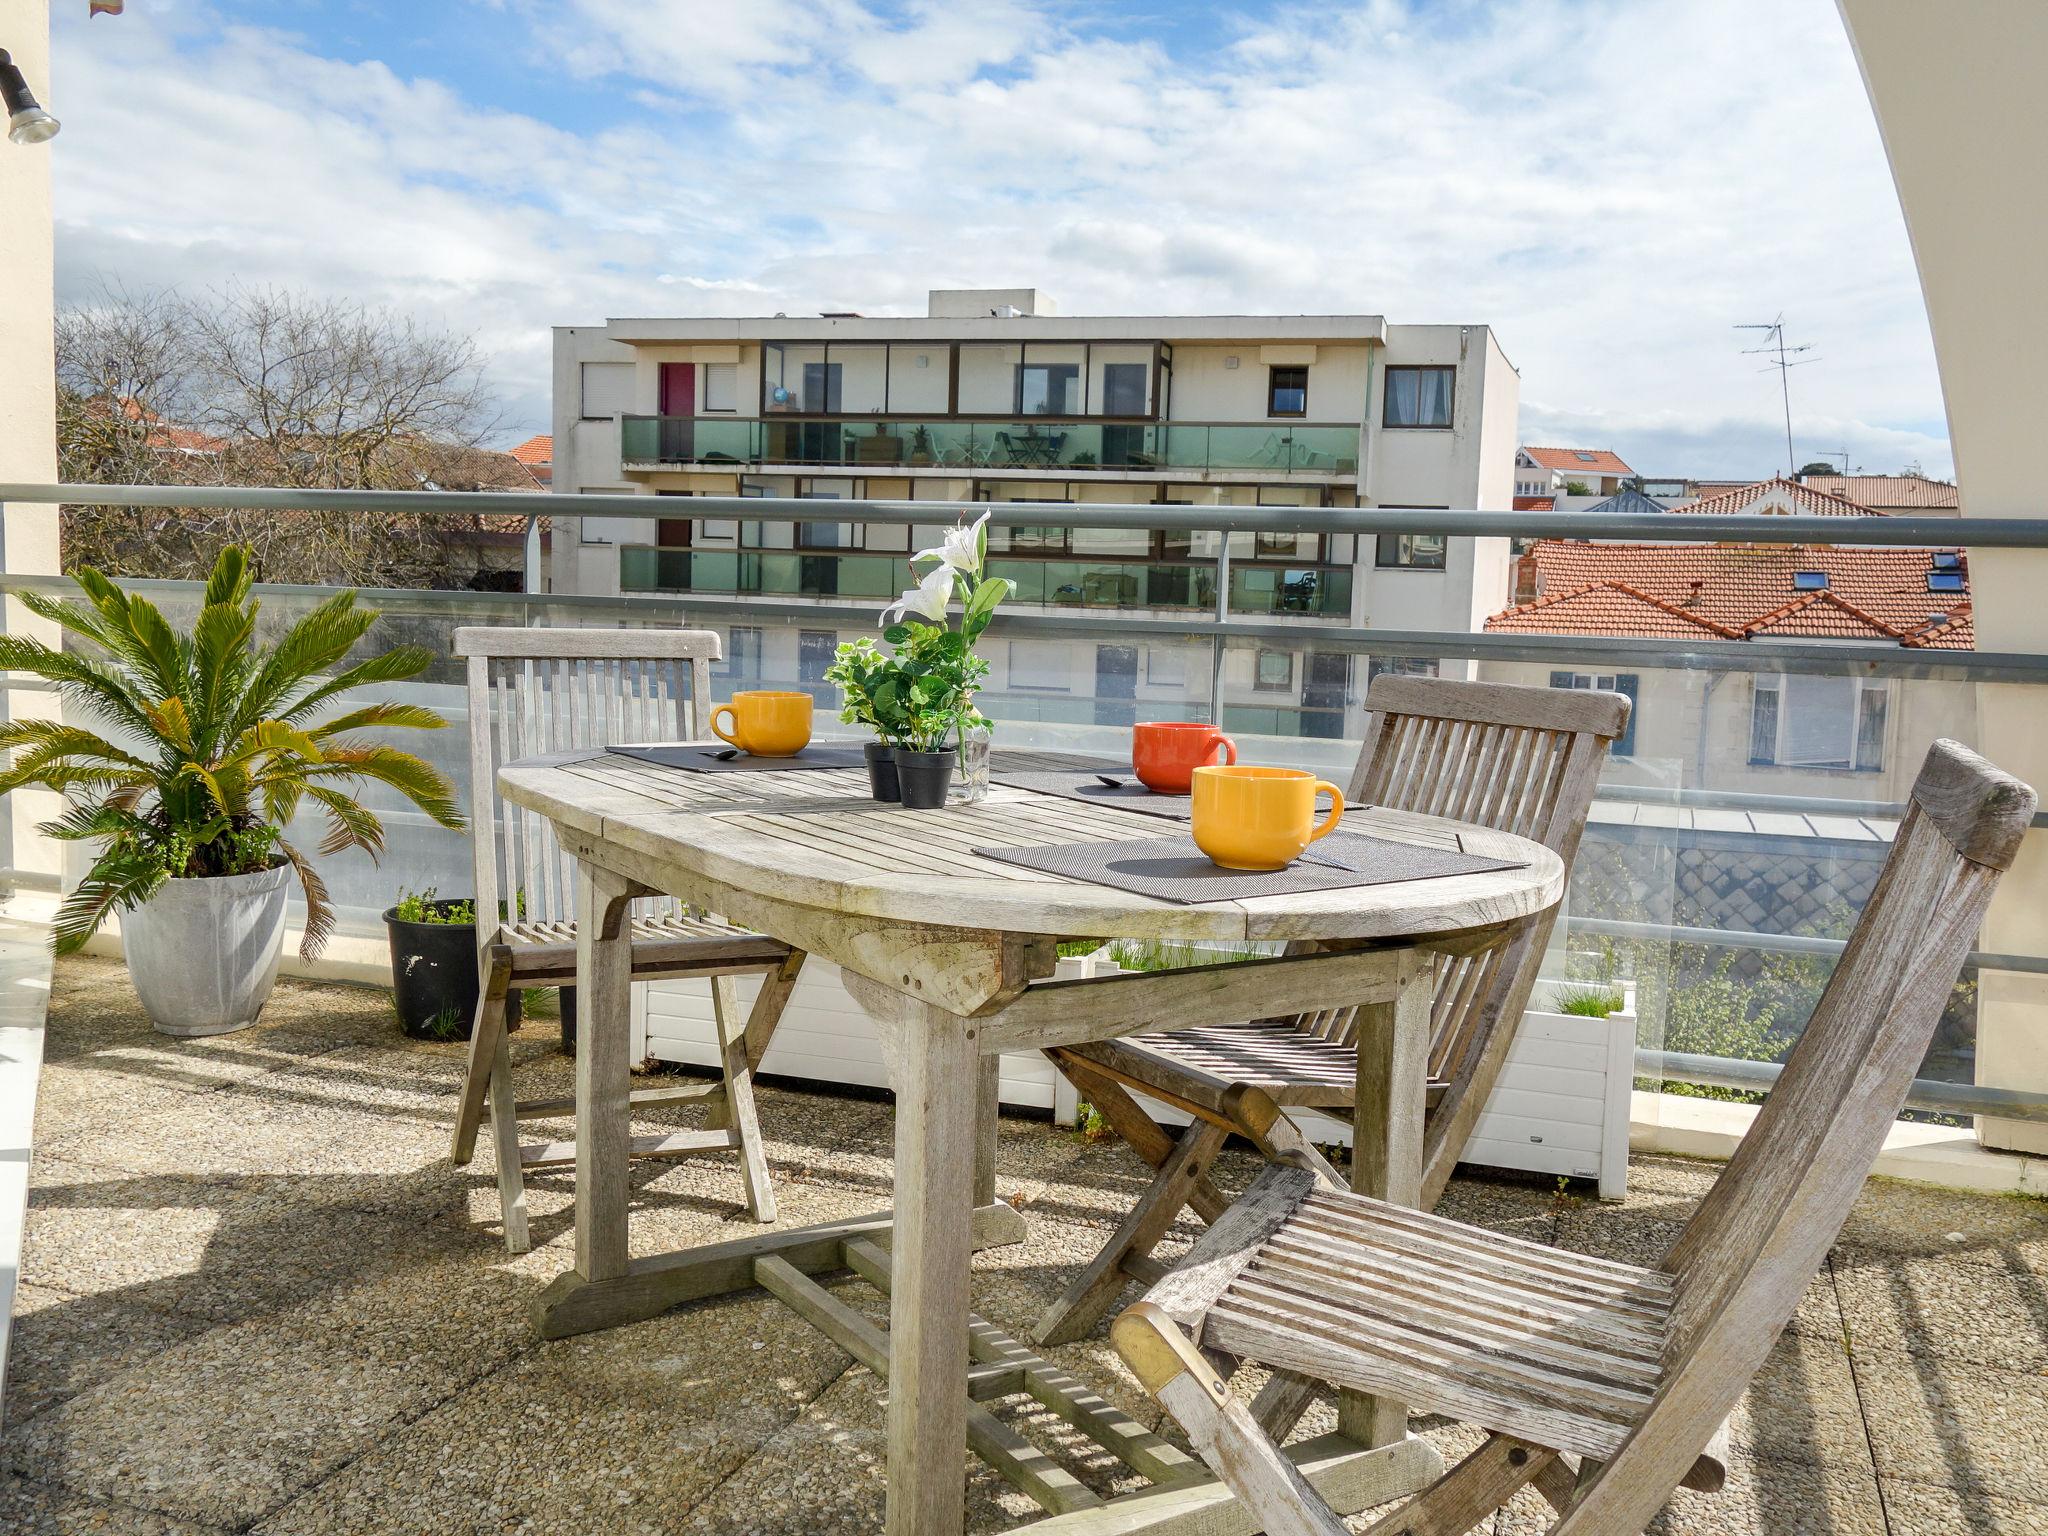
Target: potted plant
x=922, y=692
x=217, y=741
x=434, y=980
x=921, y=445
x=858, y=668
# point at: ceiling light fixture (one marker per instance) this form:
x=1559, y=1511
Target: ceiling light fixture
x=27, y=122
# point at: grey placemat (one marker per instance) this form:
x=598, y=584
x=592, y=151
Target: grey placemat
x=702, y=757
x=1088, y=786
x=1173, y=869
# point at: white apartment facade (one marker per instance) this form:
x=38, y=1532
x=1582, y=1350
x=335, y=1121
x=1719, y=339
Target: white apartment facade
x=995, y=397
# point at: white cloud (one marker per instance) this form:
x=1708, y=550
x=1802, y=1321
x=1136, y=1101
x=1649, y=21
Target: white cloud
x=1612, y=185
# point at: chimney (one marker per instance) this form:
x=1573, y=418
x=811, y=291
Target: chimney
x=1525, y=579
x=1692, y=597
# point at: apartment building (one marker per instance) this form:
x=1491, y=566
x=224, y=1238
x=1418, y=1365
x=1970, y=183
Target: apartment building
x=993, y=396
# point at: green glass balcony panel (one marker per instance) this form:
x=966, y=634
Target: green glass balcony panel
x=1279, y=448
x=637, y=568
x=715, y=571
x=1318, y=591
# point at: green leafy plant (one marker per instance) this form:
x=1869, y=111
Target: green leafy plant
x=922, y=691
x=228, y=739
x=427, y=907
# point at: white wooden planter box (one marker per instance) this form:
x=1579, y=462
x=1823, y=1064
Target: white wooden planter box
x=1561, y=1106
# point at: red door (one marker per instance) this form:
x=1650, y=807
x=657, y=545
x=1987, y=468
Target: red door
x=678, y=407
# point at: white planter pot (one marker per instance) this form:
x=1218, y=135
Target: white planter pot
x=203, y=953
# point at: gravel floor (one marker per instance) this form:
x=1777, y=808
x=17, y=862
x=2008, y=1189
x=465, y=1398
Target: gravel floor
x=256, y=1298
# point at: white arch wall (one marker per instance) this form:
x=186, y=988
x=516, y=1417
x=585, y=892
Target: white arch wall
x=1960, y=100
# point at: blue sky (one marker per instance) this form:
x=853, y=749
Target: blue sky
x=1612, y=184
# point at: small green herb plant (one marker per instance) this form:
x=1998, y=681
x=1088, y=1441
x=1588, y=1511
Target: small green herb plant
x=427, y=907
x=1586, y=1000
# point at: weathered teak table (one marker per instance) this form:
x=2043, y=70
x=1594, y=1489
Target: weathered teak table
x=946, y=950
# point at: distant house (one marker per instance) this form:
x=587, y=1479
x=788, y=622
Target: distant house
x=1551, y=471
x=1769, y=731
x=537, y=453
x=1631, y=501
x=1776, y=497
x=1898, y=494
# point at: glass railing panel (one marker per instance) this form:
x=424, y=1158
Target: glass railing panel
x=1319, y=591
x=1329, y=450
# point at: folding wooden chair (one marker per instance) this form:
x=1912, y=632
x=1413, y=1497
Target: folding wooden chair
x=1557, y=1355
x=1522, y=760
x=533, y=691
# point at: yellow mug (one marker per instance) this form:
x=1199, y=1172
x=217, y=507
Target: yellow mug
x=766, y=723
x=1260, y=818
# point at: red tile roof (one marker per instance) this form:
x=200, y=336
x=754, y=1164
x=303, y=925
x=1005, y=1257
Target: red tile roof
x=1777, y=497
x=1610, y=608
x=1915, y=491
x=1535, y=503
x=1601, y=462
x=1739, y=591
x=538, y=449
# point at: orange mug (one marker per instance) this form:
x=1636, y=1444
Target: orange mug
x=1165, y=752
x=766, y=723
x=1260, y=818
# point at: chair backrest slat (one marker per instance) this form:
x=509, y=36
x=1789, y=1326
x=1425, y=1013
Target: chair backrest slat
x=1748, y=1254
x=534, y=691
x=1519, y=759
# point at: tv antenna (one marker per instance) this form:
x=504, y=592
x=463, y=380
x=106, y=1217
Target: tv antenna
x=1783, y=359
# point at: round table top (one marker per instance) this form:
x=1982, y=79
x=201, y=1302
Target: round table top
x=815, y=839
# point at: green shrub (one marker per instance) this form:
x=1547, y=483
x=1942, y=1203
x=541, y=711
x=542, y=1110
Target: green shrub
x=425, y=907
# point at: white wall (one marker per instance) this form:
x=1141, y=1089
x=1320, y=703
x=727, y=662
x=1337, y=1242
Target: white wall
x=1205, y=388
x=28, y=399
x=1957, y=90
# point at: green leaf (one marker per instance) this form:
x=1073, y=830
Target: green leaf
x=896, y=634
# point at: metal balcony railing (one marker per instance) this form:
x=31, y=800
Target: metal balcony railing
x=1080, y=674
x=1034, y=445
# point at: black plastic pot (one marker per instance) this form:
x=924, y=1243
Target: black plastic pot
x=924, y=778
x=882, y=771
x=434, y=977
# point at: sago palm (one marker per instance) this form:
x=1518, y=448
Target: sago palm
x=214, y=741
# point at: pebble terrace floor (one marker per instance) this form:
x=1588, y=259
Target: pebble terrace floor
x=256, y=1298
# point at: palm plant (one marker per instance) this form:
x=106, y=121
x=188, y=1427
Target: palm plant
x=228, y=741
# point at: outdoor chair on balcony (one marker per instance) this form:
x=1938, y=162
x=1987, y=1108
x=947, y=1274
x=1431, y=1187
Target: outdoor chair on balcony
x=1556, y=1355
x=534, y=691
x=1521, y=760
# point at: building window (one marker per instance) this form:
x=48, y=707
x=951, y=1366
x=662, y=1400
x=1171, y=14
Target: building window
x=1399, y=666
x=721, y=387
x=1419, y=397
x=1166, y=666
x=1797, y=721
x=1273, y=672
x=1041, y=666
x=815, y=649
x=1049, y=389
x=742, y=664
x=1607, y=682
x=1411, y=551
x=1287, y=392
x=1123, y=389
x=607, y=390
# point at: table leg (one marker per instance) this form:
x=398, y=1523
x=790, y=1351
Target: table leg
x=987, y=1110
x=604, y=1007
x=1386, y=1144
x=937, y=1075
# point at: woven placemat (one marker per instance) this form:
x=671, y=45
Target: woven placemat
x=1174, y=869
x=703, y=757
x=1086, y=784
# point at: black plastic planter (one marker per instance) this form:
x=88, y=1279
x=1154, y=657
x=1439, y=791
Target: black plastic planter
x=924, y=778
x=882, y=771
x=434, y=977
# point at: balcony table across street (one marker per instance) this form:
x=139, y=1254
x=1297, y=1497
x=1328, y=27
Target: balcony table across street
x=948, y=952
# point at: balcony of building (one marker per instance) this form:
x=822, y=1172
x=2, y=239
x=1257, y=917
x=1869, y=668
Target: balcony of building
x=1027, y=448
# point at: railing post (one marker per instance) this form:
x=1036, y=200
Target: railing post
x=529, y=574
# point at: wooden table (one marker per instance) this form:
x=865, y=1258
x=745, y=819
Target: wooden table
x=947, y=951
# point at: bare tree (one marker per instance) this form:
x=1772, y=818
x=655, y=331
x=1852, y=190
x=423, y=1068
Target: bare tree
x=265, y=387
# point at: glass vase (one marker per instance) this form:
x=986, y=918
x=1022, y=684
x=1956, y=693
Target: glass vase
x=970, y=784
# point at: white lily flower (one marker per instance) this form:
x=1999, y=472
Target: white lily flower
x=927, y=599
x=961, y=550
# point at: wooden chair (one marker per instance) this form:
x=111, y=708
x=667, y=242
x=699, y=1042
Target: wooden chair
x=1557, y=1355
x=1522, y=760
x=533, y=691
